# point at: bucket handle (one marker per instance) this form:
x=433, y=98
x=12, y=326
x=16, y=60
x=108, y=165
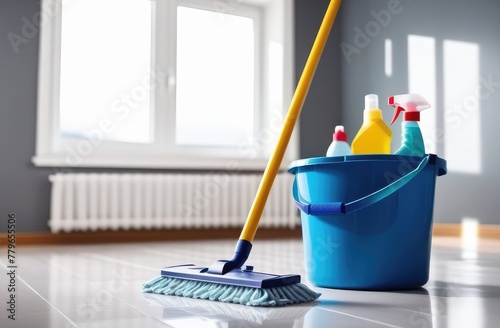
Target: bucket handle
x=343, y=208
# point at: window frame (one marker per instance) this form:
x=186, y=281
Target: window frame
x=53, y=150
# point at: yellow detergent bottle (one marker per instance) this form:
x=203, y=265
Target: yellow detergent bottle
x=374, y=136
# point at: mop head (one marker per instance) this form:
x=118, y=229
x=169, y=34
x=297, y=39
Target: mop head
x=276, y=296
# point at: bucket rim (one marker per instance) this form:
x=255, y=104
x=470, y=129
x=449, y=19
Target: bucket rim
x=434, y=159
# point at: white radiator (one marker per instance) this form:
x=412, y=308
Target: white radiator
x=83, y=201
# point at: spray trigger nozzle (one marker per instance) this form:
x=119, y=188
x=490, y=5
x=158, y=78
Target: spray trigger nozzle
x=398, y=111
x=411, y=104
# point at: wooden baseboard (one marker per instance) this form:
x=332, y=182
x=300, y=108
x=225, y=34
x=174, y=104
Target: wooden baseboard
x=439, y=229
x=489, y=231
x=99, y=237
x=446, y=230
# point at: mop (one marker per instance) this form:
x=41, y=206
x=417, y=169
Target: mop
x=228, y=280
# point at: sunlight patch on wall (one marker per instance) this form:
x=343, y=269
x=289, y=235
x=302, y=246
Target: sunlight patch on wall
x=470, y=236
x=388, y=57
x=422, y=80
x=463, y=106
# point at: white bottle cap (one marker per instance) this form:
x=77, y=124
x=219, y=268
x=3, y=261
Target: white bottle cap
x=339, y=128
x=371, y=102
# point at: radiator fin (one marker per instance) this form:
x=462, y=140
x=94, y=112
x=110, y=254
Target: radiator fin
x=102, y=201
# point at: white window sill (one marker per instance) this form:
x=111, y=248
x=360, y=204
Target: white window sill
x=229, y=164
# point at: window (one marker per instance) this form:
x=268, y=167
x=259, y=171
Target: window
x=163, y=84
x=223, y=78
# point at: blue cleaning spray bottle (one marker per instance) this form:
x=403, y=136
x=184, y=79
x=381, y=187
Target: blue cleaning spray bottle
x=412, y=143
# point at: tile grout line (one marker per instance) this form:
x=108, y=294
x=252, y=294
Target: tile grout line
x=100, y=257
x=357, y=317
x=43, y=298
x=52, y=305
x=61, y=268
x=413, y=311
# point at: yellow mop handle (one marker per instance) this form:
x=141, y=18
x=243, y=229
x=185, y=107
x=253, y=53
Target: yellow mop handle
x=250, y=228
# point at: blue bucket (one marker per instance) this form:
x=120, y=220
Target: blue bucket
x=367, y=219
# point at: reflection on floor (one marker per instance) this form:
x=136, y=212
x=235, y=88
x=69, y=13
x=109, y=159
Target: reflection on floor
x=99, y=286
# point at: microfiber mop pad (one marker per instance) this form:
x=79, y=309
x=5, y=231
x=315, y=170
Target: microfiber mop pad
x=278, y=296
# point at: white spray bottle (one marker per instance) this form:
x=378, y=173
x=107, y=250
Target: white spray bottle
x=339, y=145
x=412, y=143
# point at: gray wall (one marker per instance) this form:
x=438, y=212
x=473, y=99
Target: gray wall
x=322, y=108
x=336, y=96
x=458, y=195
x=24, y=189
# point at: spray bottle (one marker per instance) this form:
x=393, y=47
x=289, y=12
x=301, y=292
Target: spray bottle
x=412, y=143
x=339, y=145
x=374, y=136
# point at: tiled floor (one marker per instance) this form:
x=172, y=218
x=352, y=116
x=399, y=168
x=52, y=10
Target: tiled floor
x=99, y=286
